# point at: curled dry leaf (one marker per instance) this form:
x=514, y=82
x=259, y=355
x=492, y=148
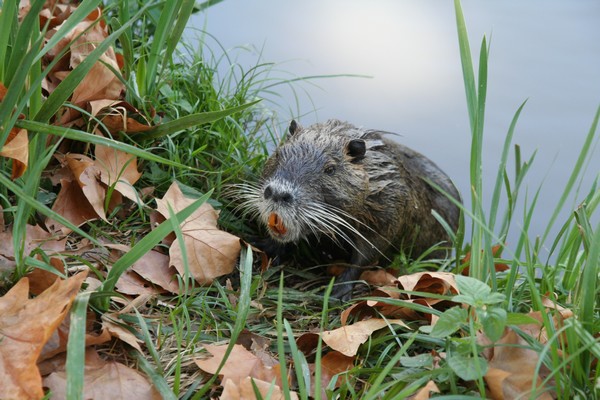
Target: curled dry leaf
x=25, y=326
x=104, y=380
x=40, y=279
x=210, y=252
x=438, y=283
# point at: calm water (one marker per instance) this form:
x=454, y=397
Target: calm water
x=545, y=51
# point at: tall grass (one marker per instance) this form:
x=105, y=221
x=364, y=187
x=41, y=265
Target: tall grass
x=577, y=263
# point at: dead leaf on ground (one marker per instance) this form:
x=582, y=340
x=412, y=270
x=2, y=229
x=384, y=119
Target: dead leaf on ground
x=347, y=339
x=334, y=363
x=211, y=252
x=154, y=267
x=438, y=283
x=379, y=277
x=425, y=392
x=112, y=324
x=16, y=148
x=118, y=170
x=3, y=91
x=244, y=390
x=25, y=326
x=72, y=204
x=57, y=343
x=239, y=365
x=40, y=279
x=105, y=380
x=512, y=362
x=35, y=237
x=496, y=251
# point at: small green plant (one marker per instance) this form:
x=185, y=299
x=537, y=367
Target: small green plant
x=485, y=312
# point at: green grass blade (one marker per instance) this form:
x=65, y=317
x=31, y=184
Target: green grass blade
x=300, y=364
x=467, y=63
x=74, y=134
x=8, y=17
x=588, y=293
x=158, y=380
x=76, y=347
x=185, y=11
x=23, y=40
x=14, y=91
x=280, y=343
x=191, y=120
x=159, y=39
x=587, y=145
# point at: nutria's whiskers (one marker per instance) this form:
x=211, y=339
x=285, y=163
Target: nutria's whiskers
x=355, y=186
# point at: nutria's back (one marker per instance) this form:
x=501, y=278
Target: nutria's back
x=354, y=186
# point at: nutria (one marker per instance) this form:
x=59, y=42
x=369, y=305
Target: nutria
x=356, y=187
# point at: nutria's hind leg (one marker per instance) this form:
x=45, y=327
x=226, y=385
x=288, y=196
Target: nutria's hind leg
x=344, y=284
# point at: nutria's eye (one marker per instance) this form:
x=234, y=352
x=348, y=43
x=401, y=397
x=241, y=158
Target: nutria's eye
x=329, y=170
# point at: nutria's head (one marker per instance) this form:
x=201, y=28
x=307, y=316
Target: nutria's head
x=314, y=182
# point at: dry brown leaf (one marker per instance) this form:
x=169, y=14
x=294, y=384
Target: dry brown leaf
x=440, y=283
x=244, y=390
x=87, y=176
x=347, y=339
x=496, y=251
x=57, y=343
x=131, y=283
x=239, y=365
x=155, y=268
x=211, y=252
x=119, y=170
x=35, y=237
x=334, y=363
x=72, y=204
x=25, y=326
x=117, y=330
x=16, y=148
x=100, y=82
x=512, y=362
x=373, y=308
x=379, y=277
x=425, y=392
x=105, y=380
x=40, y=279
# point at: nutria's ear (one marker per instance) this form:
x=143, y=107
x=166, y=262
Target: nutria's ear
x=356, y=149
x=294, y=127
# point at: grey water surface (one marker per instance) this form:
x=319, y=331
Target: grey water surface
x=544, y=51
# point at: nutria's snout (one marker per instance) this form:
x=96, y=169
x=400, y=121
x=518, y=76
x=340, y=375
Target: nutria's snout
x=278, y=195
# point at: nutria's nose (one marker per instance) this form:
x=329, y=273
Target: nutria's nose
x=277, y=195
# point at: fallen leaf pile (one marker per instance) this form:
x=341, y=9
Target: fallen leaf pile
x=94, y=183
